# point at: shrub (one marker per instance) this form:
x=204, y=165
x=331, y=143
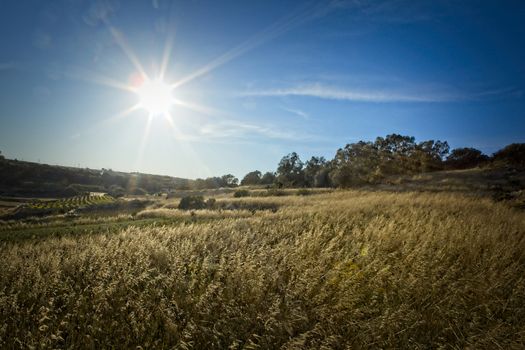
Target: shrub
x=304, y=192
x=116, y=191
x=273, y=192
x=192, y=202
x=70, y=191
x=210, y=203
x=247, y=205
x=241, y=193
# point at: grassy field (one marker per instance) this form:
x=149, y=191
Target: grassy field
x=346, y=269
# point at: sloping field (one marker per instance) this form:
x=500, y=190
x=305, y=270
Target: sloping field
x=342, y=270
x=72, y=202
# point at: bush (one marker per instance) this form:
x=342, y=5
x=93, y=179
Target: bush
x=116, y=191
x=70, y=191
x=241, y=193
x=192, y=202
x=210, y=203
x=272, y=192
x=304, y=192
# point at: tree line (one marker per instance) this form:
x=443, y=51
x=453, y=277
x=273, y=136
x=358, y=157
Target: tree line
x=360, y=163
x=367, y=162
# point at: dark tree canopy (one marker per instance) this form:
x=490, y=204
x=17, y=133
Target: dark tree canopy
x=314, y=172
x=268, y=178
x=229, y=180
x=464, y=158
x=364, y=162
x=252, y=178
x=290, y=171
x=513, y=154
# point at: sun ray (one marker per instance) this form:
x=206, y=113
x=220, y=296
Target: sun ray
x=169, y=119
x=199, y=108
x=143, y=142
x=123, y=113
x=166, y=55
x=121, y=41
x=179, y=139
x=168, y=45
x=115, y=117
x=92, y=77
x=278, y=28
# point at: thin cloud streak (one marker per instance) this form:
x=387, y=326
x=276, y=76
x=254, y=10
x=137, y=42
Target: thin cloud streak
x=360, y=95
x=235, y=129
x=297, y=112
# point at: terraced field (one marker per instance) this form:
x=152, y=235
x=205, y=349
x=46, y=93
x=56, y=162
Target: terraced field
x=43, y=207
x=72, y=203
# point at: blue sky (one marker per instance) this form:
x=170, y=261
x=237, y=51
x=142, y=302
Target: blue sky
x=255, y=80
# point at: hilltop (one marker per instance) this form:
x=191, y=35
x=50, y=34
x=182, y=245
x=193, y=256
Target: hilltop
x=28, y=179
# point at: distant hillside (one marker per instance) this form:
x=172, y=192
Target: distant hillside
x=387, y=160
x=20, y=178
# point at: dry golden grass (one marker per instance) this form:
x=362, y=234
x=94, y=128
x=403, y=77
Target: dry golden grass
x=332, y=271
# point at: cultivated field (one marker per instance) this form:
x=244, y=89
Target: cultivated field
x=346, y=269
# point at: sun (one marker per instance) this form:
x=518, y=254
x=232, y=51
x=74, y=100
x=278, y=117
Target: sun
x=155, y=96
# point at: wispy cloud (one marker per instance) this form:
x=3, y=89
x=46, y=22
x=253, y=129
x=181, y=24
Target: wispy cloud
x=297, y=112
x=356, y=95
x=238, y=130
x=99, y=11
x=413, y=93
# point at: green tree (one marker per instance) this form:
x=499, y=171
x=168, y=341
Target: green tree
x=290, y=171
x=322, y=178
x=428, y=156
x=396, y=144
x=315, y=174
x=395, y=152
x=268, y=178
x=356, y=164
x=230, y=181
x=252, y=178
